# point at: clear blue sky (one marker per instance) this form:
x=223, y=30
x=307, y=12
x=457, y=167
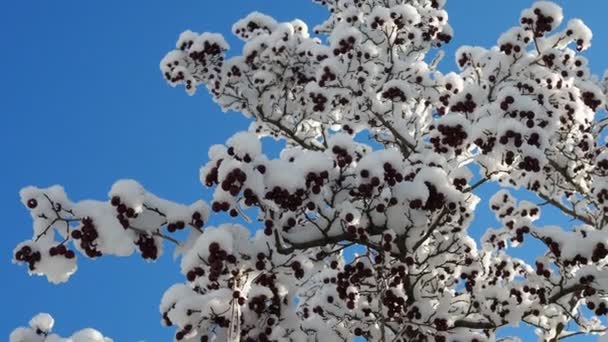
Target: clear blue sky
x=83, y=104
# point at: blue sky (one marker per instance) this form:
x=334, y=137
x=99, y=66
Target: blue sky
x=83, y=104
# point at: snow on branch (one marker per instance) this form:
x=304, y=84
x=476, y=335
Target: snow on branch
x=40, y=330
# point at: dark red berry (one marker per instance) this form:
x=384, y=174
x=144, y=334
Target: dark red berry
x=32, y=203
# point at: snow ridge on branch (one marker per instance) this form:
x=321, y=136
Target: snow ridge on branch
x=40, y=330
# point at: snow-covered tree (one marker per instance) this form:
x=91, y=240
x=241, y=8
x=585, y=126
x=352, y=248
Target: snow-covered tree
x=382, y=154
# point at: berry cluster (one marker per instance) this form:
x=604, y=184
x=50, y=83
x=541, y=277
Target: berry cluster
x=509, y=48
x=87, y=236
x=541, y=270
x=549, y=60
x=441, y=324
x=209, y=49
x=464, y=60
x=500, y=271
x=245, y=30
x=260, y=264
x=414, y=313
x=342, y=101
x=327, y=76
x=504, y=105
x=236, y=295
x=466, y=106
x=351, y=277
x=534, y=291
x=297, y=269
x=223, y=206
x=530, y=164
x=496, y=242
x=186, y=44
x=436, y=199
x=517, y=294
x=395, y=304
x=394, y=94
x=197, y=220
x=343, y=158
x=601, y=309
x=319, y=100
x=314, y=182
x=469, y=278
x=500, y=307
x=351, y=19
x=147, y=247
x=124, y=213
x=509, y=134
x=486, y=146
x=26, y=254
x=257, y=304
x=391, y=176
x=377, y=22
x=211, y=178
x=263, y=305
x=366, y=189
x=453, y=136
x=250, y=59
x=61, y=250
x=414, y=334
x=234, y=71
x=459, y=183
x=216, y=260
x=519, y=234
x=599, y=252
x=234, y=181
x=586, y=279
x=345, y=45
x=528, y=116
x=445, y=102
x=602, y=197
x=244, y=158
x=539, y=25
x=286, y=200
x=179, y=76
x=399, y=21
x=268, y=225
x=576, y=260
x=182, y=333
x=534, y=139
x=590, y=100
x=179, y=225
x=194, y=273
